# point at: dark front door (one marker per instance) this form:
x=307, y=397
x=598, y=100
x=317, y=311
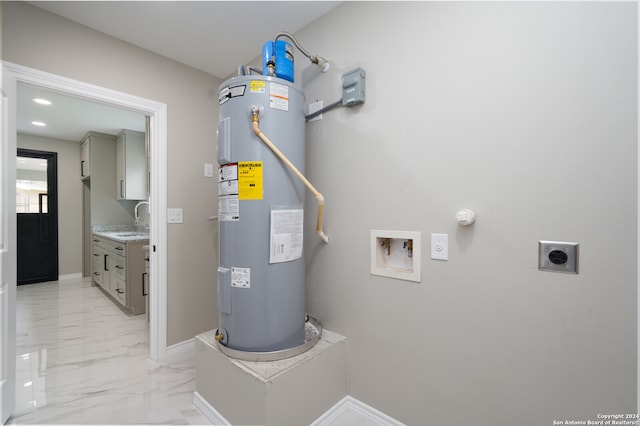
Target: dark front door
x=37, y=210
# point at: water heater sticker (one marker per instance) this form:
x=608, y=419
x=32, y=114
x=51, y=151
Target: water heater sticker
x=229, y=187
x=228, y=179
x=257, y=87
x=230, y=92
x=228, y=208
x=224, y=95
x=241, y=277
x=228, y=172
x=286, y=235
x=279, y=96
x=250, y=180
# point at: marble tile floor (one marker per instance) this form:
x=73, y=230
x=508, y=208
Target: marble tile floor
x=82, y=360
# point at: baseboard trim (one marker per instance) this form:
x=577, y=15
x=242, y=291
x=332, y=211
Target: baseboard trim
x=365, y=413
x=67, y=277
x=210, y=413
x=362, y=410
x=180, y=348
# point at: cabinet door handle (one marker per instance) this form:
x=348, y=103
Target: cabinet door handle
x=119, y=267
x=144, y=282
x=119, y=248
x=96, y=254
x=96, y=273
x=106, y=268
x=121, y=188
x=119, y=291
x=82, y=168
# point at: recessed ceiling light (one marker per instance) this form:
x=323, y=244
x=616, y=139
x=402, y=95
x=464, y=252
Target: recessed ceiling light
x=42, y=101
x=38, y=123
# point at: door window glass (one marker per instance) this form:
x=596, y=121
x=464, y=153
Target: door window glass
x=31, y=185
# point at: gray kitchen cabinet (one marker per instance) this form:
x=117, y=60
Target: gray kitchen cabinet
x=117, y=268
x=131, y=166
x=85, y=159
x=100, y=205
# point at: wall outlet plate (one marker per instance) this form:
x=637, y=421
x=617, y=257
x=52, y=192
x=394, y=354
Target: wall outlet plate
x=440, y=246
x=558, y=256
x=396, y=254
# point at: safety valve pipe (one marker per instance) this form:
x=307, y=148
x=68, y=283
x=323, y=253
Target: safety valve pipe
x=255, y=119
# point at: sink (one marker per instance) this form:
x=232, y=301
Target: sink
x=131, y=234
x=125, y=235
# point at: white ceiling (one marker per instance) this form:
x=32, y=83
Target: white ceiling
x=212, y=36
x=70, y=118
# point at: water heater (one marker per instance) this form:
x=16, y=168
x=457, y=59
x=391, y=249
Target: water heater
x=261, y=289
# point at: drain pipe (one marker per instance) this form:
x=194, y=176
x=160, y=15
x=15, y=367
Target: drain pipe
x=319, y=197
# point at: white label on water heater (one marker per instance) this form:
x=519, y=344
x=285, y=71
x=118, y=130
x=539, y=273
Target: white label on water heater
x=228, y=172
x=286, y=235
x=241, y=277
x=229, y=187
x=279, y=96
x=228, y=208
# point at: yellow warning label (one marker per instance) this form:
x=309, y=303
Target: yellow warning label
x=250, y=180
x=258, y=86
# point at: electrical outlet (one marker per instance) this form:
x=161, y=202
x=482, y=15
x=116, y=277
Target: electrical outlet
x=440, y=246
x=558, y=256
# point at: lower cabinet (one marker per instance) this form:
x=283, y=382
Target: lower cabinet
x=117, y=269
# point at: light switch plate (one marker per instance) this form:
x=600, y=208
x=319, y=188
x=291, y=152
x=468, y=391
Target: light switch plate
x=174, y=215
x=558, y=256
x=440, y=246
x=208, y=170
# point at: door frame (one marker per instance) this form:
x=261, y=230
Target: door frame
x=52, y=198
x=157, y=111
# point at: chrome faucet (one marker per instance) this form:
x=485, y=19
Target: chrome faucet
x=135, y=211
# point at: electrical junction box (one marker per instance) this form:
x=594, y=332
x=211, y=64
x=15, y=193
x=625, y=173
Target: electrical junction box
x=396, y=254
x=353, y=87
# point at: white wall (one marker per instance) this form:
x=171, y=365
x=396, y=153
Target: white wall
x=69, y=198
x=526, y=113
x=46, y=42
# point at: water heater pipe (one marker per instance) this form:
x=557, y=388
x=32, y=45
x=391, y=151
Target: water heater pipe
x=315, y=59
x=319, y=197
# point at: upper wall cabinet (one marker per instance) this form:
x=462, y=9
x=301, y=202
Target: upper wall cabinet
x=131, y=166
x=85, y=158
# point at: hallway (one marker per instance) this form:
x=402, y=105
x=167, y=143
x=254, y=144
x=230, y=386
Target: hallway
x=81, y=360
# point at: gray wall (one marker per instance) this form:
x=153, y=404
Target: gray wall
x=40, y=40
x=526, y=113
x=69, y=198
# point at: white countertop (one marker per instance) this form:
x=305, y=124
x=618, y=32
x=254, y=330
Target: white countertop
x=124, y=236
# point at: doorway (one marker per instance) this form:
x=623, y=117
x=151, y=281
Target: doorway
x=12, y=75
x=157, y=112
x=37, y=216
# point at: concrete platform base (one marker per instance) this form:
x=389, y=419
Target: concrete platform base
x=293, y=391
